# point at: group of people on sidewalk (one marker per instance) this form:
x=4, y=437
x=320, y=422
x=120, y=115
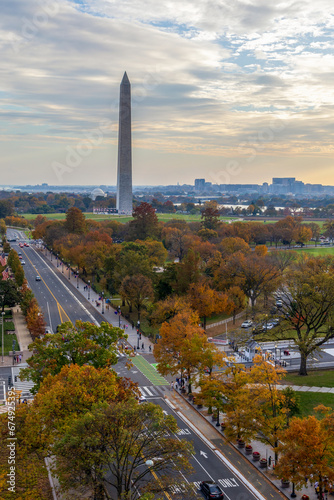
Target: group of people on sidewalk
x=17, y=359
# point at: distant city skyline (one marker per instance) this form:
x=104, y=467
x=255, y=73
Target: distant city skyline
x=236, y=92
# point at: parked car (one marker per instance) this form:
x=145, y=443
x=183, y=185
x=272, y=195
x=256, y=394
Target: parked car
x=38, y=278
x=48, y=330
x=211, y=490
x=23, y=262
x=279, y=303
x=247, y=324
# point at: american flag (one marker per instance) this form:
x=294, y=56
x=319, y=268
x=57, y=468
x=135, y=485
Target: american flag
x=5, y=274
x=3, y=259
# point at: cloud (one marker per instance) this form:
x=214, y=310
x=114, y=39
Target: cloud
x=206, y=77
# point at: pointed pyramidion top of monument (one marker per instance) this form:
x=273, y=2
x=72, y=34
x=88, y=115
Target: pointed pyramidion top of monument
x=125, y=80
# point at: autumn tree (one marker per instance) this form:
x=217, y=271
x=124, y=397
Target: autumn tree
x=329, y=229
x=145, y=223
x=253, y=274
x=271, y=415
x=136, y=290
x=75, y=221
x=307, y=450
x=80, y=344
x=164, y=310
x=236, y=300
x=35, y=320
x=206, y=301
x=308, y=301
x=118, y=439
x=210, y=216
x=19, y=275
x=177, y=240
x=183, y=347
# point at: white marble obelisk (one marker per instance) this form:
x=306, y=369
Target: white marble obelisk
x=124, y=168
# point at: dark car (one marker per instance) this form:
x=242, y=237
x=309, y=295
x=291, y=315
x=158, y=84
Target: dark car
x=211, y=490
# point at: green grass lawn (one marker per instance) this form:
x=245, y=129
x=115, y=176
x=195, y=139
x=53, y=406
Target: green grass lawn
x=8, y=343
x=123, y=218
x=318, y=251
x=313, y=379
x=309, y=400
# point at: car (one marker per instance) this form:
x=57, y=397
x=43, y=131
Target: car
x=279, y=303
x=20, y=257
x=38, y=278
x=23, y=262
x=142, y=399
x=211, y=490
x=48, y=330
x=247, y=324
x=26, y=244
x=274, y=321
x=19, y=253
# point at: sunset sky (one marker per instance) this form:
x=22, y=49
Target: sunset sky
x=233, y=91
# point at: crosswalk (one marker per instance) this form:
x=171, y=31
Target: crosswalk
x=152, y=391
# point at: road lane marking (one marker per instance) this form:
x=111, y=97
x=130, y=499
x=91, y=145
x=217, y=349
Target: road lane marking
x=69, y=291
x=58, y=304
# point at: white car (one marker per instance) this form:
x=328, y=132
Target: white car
x=247, y=324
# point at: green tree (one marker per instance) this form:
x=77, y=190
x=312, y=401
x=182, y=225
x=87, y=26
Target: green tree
x=80, y=344
x=9, y=293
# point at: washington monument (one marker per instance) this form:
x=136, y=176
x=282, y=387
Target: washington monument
x=124, y=167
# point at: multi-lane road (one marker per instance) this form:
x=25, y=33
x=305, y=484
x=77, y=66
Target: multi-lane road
x=60, y=301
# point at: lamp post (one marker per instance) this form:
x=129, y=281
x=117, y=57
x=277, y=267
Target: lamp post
x=77, y=277
x=119, y=312
x=88, y=289
x=2, y=338
x=69, y=271
x=148, y=463
x=102, y=302
x=57, y=259
x=293, y=494
x=62, y=266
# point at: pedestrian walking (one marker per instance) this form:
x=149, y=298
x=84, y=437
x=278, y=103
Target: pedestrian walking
x=14, y=359
x=172, y=384
x=20, y=357
x=150, y=348
x=142, y=346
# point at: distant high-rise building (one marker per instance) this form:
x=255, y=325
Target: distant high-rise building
x=199, y=185
x=124, y=167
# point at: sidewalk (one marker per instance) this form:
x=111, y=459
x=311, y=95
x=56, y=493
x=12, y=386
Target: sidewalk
x=23, y=337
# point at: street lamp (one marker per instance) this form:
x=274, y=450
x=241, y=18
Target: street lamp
x=69, y=271
x=57, y=259
x=102, y=302
x=2, y=343
x=77, y=277
x=148, y=463
x=88, y=289
x=62, y=266
x=119, y=312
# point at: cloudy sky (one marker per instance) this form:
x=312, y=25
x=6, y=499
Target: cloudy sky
x=233, y=91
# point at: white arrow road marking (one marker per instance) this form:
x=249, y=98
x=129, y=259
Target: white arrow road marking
x=203, y=453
